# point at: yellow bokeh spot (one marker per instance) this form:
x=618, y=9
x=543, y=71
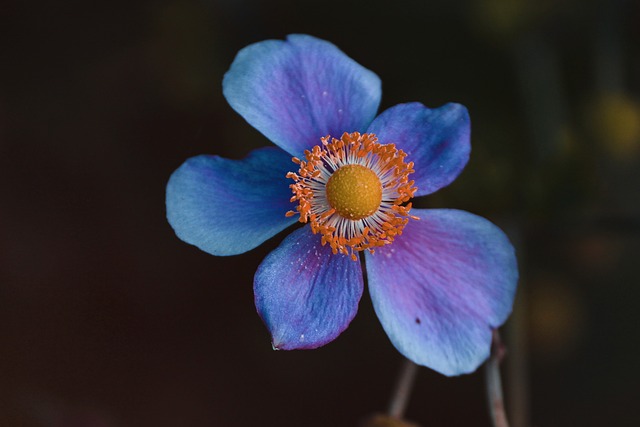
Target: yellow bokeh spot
x=387, y=421
x=558, y=317
x=616, y=118
x=354, y=191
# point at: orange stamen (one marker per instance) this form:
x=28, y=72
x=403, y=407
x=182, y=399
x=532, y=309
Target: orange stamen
x=347, y=234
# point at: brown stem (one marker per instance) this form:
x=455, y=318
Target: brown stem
x=402, y=391
x=494, y=383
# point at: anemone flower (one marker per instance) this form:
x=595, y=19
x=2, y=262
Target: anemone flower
x=440, y=279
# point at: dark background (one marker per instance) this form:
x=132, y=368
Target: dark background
x=107, y=319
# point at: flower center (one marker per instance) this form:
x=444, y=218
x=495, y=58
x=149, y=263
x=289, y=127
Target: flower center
x=354, y=191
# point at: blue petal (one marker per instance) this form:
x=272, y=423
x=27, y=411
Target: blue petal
x=442, y=286
x=306, y=295
x=436, y=140
x=299, y=90
x=227, y=207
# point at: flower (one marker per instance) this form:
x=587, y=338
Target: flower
x=440, y=279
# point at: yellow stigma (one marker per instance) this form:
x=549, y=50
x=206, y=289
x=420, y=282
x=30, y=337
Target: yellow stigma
x=354, y=191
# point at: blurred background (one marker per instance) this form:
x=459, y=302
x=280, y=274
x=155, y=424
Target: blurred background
x=107, y=319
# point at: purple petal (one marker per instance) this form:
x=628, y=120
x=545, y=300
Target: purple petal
x=227, y=207
x=442, y=286
x=299, y=90
x=306, y=295
x=436, y=140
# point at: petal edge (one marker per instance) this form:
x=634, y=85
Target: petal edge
x=300, y=90
x=441, y=288
x=437, y=140
x=305, y=295
x=227, y=207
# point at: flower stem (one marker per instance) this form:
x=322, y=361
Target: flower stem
x=402, y=390
x=494, y=383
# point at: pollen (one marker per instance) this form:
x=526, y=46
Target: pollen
x=354, y=192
